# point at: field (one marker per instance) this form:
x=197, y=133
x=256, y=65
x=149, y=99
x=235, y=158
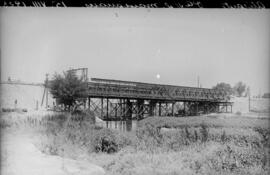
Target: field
x=214, y=144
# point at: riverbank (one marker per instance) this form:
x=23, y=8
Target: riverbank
x=214, y=144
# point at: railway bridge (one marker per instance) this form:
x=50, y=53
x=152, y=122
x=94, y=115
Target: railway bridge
x=120, y=100
x=116, y=99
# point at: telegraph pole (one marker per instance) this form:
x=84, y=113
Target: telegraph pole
x=198, y=81
x=248, y=91
x=47, y=80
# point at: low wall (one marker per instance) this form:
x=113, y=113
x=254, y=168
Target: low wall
x=27, y=96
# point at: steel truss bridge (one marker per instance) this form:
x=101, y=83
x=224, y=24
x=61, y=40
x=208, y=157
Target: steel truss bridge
x=116, y=99
x=119, y=100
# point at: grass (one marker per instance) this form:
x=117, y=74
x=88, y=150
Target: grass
x=160, y=145
x=211, y=121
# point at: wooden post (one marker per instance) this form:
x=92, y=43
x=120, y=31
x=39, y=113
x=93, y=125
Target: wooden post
x=47, y=92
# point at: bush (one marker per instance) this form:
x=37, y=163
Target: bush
x=238, y=113
x=205, y=132
x=232, y=158
x=149, y=137
x=104, y=140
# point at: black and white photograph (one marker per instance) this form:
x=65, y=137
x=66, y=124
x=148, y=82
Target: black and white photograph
x=134, y=91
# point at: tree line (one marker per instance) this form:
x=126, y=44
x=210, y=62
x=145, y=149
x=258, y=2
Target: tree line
x=240, y=89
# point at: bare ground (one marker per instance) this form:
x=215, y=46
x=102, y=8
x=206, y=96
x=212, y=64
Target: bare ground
x=19, y=156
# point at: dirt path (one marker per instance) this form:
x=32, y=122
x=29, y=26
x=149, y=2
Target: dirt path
x=19, y=156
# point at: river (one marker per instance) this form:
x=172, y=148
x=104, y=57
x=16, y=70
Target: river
x=125, y=126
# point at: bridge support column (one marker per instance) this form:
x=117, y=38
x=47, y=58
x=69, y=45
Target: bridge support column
x=159, y=109
x=129, y=110
x=184, y=108
x=140, y=106
x=115, y=110
x=89, y=104
x=121, y=108
x=152, y=105
x=101, y=108
x=172, y=108
x=107, y=109
x=166, y=109
x=197, y=108
x=124, y=108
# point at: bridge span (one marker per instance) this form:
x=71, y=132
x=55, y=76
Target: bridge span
x=116, y=99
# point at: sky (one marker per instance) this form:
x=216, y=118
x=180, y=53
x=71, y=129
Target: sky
x=218, y=45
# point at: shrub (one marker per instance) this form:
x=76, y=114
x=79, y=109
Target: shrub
x=104, y=140
x=238, y=113
x=149, y=137
x=109, y=141
x=265, y=134
x=205, y=132
x=223, y=137
x=231, y=158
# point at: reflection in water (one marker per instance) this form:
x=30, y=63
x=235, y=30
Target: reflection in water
x=128, y=125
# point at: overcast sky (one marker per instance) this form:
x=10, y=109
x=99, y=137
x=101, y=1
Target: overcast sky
x=219, y=45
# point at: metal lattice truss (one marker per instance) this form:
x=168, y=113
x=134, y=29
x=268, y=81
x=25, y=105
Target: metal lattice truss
x=137, y=90
x=113, y=109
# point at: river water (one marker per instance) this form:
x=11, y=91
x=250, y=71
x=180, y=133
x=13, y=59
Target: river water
x=124, y=126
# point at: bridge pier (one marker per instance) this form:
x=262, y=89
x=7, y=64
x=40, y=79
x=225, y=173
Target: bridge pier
x=152, y=106
x=140, y=108
x=121, y=108
x=159, y=109
x=173, y=108
x=89, y=103
x=129, y=109
x=184, y=108
x=101, y=112
x=107, y=109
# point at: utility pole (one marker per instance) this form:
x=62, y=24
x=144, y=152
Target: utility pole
x=47, y=80
x=45, y=93
x=198, y=81
x=248, y=91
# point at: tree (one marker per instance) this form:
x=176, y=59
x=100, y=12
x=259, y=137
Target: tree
x=239, y=89
x=225, y=87
x=266, y=95
x=68, y=89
